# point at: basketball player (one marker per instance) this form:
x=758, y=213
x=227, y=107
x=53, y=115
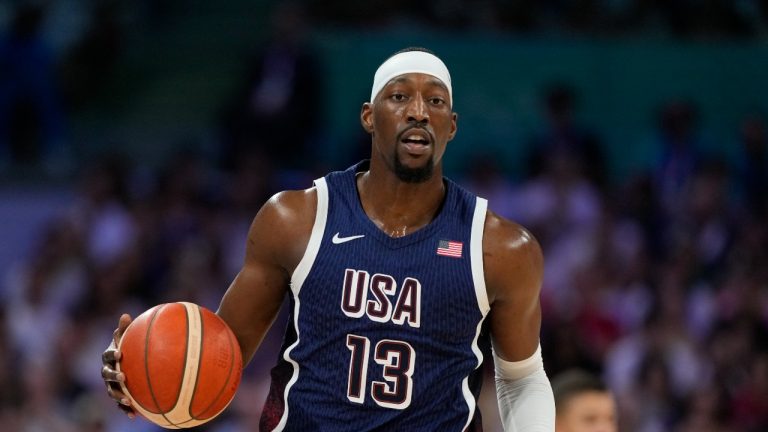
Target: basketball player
x=397, y=277
x=584, y=404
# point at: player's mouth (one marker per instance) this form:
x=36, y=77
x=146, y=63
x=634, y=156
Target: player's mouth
x=416, y=141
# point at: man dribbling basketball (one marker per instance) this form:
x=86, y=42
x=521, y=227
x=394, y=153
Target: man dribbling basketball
x=394, y=274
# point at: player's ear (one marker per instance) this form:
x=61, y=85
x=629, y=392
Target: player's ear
x=454, y=120
x=366, y=117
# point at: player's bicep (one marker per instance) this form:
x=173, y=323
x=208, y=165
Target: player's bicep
x=515, y=271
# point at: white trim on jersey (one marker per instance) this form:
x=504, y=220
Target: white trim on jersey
x=297, y=280
x=305, y=265
x=478, y=277
x=476, y=254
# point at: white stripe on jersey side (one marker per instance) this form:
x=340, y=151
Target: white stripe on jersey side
x=297, y=280
x=478, y=277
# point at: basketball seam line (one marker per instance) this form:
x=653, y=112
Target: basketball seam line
x=229, y=373
x=184, y=368
x=146, y=362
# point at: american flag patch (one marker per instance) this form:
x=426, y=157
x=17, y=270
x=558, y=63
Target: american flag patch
x=450, y=248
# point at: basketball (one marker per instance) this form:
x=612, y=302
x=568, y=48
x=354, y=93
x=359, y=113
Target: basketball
x=182, y=365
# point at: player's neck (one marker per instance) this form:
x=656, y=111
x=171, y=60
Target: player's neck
x=399, y=208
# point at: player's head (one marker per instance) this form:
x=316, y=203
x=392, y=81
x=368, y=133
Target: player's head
x=410, y=115
x=583, y=403
x=411, y=60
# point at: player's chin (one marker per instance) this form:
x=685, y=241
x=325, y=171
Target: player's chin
x=415, y=160
x=415, y=163
x=414, y=170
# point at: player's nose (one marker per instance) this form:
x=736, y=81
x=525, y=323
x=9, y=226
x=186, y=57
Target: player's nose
x=417, y=110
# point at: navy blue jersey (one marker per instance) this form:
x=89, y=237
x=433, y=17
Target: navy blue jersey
x=384, y=333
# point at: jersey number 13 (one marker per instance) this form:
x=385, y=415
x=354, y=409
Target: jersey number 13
x=398, y=359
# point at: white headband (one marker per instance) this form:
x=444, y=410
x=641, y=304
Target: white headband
x=411, y=62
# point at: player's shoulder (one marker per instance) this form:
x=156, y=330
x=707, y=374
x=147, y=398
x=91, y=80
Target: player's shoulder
x=512, y=258
x=508, y=239
x=289, y=203
x=287, y=212
x=282, y=227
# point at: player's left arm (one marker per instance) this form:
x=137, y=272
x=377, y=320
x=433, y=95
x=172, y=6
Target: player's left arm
x=513, y=266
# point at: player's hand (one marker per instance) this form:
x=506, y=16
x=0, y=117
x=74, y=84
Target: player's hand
x=113, y=378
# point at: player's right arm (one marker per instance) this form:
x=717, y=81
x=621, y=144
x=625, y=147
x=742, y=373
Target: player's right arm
x=276, y=242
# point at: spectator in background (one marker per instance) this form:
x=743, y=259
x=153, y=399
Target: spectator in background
x=487, y=179
x=561, y=199
x=708, y=222
x=753, y=165
x=652, y=370
x=107, y=230
x=10, y=365
x=31, y=120
x=563, y=136
x=564, y=209
x=179, y=226
x=652, y=406
x=92, y=62
x=679, y=156
x=750, y=403
x=705, y=411
x=274, y=114
x=43, y=294
x=583, y=403
x=41, y=410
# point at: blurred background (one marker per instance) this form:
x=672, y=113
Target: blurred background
x=139, y=138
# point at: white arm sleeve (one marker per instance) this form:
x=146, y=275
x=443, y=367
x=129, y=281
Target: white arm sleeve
x=526, y=402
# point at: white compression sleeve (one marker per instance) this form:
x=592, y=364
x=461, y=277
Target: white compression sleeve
x=526, y=403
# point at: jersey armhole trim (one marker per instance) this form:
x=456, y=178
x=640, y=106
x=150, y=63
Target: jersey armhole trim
x=476, y=254
x=315, y=239
x=297, y=280
x=478, y=279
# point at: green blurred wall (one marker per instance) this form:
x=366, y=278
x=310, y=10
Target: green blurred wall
x=173, y=84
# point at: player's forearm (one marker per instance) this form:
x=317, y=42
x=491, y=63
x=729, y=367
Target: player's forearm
x=526, y=403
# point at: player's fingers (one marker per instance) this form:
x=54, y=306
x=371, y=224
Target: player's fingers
x=110, y=356
x=111, y=375
x=115, y=393
x=127, y=410
x=123, y=402
x=122, y=324
x=125, y=321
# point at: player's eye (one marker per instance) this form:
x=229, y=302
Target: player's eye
x=437, y=101
x=398, y=97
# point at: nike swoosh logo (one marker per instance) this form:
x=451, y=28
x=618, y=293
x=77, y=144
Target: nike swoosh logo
x=339, y=240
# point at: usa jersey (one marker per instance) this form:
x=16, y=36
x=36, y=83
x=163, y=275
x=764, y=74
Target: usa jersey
x=384, y=333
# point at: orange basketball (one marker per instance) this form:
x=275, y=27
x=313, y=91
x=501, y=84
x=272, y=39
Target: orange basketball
x=182, y=365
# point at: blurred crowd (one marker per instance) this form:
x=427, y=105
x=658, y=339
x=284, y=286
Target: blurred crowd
x=657, y=282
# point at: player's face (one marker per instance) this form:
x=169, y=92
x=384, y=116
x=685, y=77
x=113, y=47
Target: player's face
x=411, y=123
x=588, y=412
